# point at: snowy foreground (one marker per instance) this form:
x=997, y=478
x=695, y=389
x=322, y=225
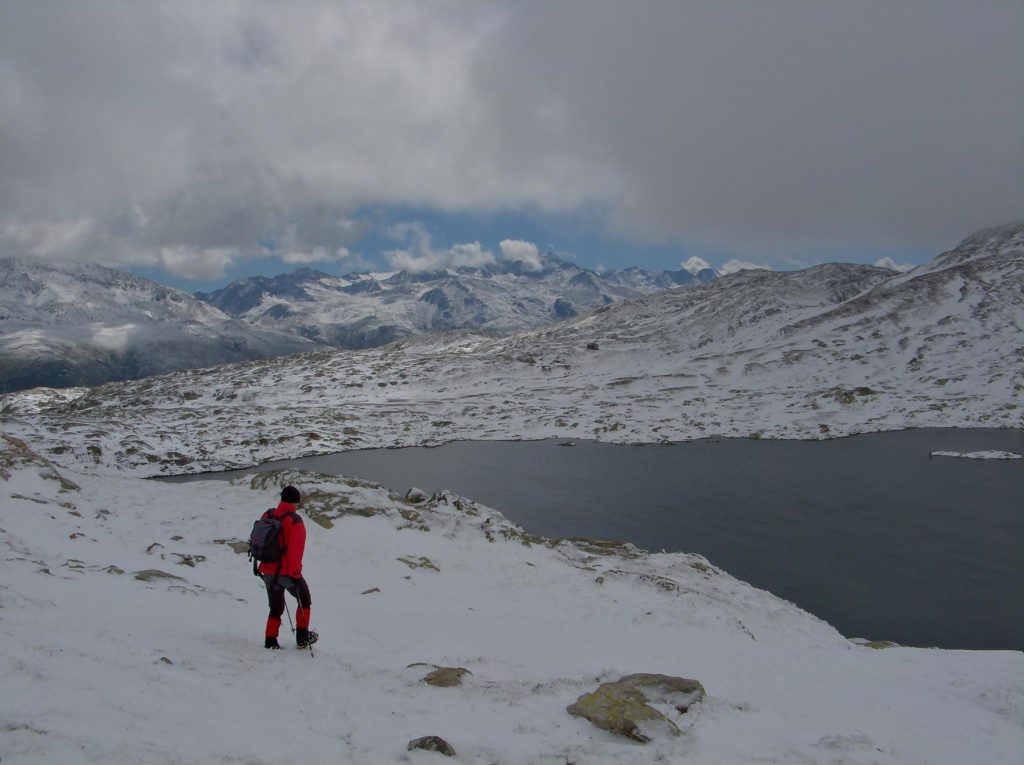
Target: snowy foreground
x=132, y=633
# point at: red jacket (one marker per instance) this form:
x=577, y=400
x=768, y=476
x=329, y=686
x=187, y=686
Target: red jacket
x=293, y=534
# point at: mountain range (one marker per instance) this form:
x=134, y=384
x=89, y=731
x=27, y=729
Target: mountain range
x=366, y=310
x=67, y=324
x=64, y=325
x=833, y=350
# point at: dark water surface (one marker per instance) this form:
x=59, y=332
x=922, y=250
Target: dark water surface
x=870, y=533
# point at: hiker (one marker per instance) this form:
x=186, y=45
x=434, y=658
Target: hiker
x=286, y=574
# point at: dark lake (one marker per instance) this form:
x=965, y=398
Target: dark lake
x=870, y=533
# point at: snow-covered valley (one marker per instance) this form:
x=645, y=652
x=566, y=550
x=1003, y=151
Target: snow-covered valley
x=132, y=627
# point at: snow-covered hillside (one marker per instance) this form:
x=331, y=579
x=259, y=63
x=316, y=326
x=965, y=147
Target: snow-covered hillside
x=369, y=310
x=829, y=351
x=84, y=324
x=132, y=632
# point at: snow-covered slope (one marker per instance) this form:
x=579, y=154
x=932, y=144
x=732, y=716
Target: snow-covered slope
x=369, y=310
x=75, y=324
x=132, y=632
x=830, y=351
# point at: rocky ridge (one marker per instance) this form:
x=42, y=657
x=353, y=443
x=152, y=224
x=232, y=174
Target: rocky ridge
x=365, y=310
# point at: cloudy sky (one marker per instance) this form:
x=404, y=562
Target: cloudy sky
x=199, y=140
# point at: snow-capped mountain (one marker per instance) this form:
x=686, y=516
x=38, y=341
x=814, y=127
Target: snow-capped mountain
x=73, y=324
x=80, y=324
x=368, y=310
x=828, y=351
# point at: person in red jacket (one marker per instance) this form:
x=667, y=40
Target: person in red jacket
x=286, y=574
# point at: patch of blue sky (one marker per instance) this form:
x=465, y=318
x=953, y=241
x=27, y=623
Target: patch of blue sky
x=581, y=237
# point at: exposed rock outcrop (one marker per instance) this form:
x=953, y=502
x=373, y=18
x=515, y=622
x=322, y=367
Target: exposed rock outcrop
x=624, y=707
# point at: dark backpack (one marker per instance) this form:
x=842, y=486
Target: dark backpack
x=266, y=542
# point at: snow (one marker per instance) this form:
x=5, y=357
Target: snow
x=100, y=666
x=990, y=454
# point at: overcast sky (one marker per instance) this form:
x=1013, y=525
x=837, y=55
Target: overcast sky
x=200, y=139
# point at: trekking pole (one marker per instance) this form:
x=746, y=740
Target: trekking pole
x=289, y=612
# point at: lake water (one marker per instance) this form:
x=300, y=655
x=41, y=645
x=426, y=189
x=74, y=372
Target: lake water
x=869, y=533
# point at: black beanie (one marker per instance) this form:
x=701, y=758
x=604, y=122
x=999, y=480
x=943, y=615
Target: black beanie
x=291, y=495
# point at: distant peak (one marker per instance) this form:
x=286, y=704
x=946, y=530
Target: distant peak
x=994, y=235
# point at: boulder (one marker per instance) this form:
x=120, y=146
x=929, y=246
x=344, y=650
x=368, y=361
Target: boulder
x=623, y=707
x=446, y=677
x=432, y=744
x=415, y=496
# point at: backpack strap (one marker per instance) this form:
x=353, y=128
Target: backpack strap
x=295, y=519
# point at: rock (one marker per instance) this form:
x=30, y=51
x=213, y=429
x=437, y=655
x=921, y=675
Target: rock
x=416, y=496
x=189, y=560
x=680, y=692
x=151, y=574
x=418, y=562
x=239, y=546
x=446, y=677
x=432, y=744
x=623, y=707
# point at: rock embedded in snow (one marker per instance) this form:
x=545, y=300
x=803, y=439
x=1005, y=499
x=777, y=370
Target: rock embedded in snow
x=446, y=677
x=154, y=574
x=624, y=707
x=414, y=496
x=418, y=561
x=432, y=744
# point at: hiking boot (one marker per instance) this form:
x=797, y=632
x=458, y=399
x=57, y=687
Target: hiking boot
x=305, y=638
x=271, y=643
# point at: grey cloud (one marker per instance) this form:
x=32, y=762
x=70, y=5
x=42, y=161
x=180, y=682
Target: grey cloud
x=777, y=124
x=164, y=133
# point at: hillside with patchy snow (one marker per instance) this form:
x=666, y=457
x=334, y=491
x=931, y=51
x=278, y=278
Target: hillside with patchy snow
x=828, y=351
x=66, y=325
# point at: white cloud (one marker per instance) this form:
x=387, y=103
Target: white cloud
x=193, y=263
x=695, y=264
x=735, y=265
x=315, y=255
x=420, y=254
x=472, y=254
x=890, y=263
x=522, y=252
x=46, y=238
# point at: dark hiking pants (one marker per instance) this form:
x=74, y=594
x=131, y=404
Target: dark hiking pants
x=276, y=588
